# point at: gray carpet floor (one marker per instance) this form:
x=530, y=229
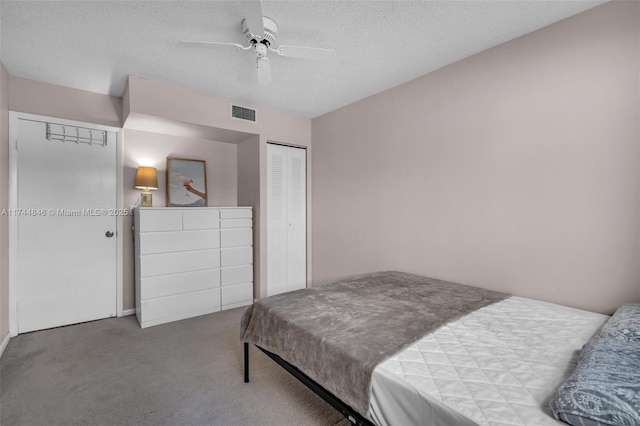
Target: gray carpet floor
x=111, y=372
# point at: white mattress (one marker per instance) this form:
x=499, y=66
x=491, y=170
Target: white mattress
x=499, y=365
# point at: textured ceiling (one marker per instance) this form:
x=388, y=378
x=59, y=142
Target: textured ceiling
x=95, y=45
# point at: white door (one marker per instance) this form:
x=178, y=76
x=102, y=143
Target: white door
x=297, y=218
x=286, y=219
x=66, y=225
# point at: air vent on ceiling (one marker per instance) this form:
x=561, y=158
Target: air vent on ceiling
x=242, y=113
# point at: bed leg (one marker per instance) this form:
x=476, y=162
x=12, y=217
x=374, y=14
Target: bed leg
x=246, y=362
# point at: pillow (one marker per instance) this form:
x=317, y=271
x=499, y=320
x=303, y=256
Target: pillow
x=624, y=324
x=605, y=387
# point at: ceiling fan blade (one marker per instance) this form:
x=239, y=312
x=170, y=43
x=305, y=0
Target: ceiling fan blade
x=306, y=52
x=264, y=70
x=253, y=17
x=210, y=44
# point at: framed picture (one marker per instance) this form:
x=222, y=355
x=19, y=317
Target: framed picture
x=186, y=183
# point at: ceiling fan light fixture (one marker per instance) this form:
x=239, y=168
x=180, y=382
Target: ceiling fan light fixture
x=260, y=49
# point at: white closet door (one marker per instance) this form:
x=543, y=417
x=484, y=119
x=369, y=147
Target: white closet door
x=286, y=219
x=297, y=219
x=277, y=219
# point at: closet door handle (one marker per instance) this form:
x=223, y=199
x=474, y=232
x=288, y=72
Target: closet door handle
x=109, y=234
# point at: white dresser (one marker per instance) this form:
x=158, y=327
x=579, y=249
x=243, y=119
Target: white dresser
x=191, y=261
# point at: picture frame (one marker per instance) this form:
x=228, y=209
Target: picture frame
x=186, y=182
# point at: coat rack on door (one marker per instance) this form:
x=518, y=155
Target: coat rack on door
x=59, y=132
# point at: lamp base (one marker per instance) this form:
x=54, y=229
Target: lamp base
x=146, y=199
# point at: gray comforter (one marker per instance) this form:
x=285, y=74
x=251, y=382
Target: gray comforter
x=336, y=334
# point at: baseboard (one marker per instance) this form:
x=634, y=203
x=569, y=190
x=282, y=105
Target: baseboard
x=4, y=343
x=129, y=312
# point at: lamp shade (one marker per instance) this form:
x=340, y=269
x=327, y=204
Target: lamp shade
x=146, y=178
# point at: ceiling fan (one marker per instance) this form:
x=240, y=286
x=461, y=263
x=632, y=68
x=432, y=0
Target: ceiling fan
x=261, y=32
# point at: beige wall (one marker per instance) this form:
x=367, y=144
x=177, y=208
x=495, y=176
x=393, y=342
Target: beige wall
x=517, y=169
x=4, y=202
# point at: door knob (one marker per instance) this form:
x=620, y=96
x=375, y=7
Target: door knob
x=109, y=234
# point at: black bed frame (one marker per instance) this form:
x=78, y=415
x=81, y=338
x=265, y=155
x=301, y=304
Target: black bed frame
x=352, y=415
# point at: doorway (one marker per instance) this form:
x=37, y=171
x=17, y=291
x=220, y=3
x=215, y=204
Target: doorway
x=65, y=222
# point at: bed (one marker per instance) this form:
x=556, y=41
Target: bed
x=392, y=348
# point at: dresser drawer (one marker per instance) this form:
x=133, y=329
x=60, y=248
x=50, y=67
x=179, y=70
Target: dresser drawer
x=236, y=223
x=236, y=275
x=173, y=263
x=179, y=306
x=159, y=220
x=166, y=285
x=237, y=295
x=236, y=213
x=236, y=237
x=200, y=219
x=163, y=242
x=236, y=256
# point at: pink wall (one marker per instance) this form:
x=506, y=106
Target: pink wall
x=50, y=100
x=157, y=99
x=517, y=169
x=249, y=194
x=4, y=202
x=151, y=149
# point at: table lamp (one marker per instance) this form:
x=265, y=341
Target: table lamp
x=146, y=179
